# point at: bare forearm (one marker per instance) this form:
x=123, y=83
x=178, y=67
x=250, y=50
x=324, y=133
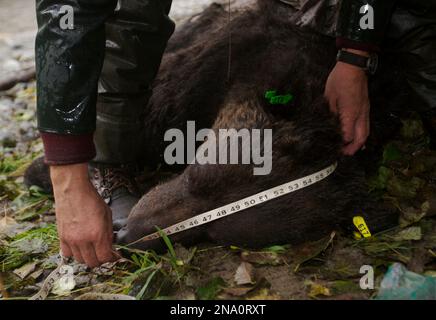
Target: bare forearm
x=69, y=177
x=84, y=220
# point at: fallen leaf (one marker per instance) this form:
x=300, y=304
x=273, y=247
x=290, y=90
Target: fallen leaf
x=345, y=287
x=9, y=228
x=238, y=291
x=276, y=249
x=412, y=215
x=318, y=290
x=30, y=246
x=7, y=224
x=412, y=129
x=104, y=296
x=244, y=274
x=411, y=233
x=391, y=153
x=404, y=187
x=312, y=250
x=262, y=258
x=35, y=275
x=25, y=270
x=263, y=294
x=6, y=221
x=211, y=289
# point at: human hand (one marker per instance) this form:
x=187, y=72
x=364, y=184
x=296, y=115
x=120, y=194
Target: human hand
x=84, y=220
x=347, y=93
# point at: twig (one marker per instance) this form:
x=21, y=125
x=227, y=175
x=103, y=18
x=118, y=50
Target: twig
x=22, y=76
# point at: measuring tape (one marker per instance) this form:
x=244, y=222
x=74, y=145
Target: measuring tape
x=64, y=271
x=242, y=204
x=64, y=276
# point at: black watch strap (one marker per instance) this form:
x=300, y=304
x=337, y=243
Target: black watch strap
x=353, y=59
x=369, y=64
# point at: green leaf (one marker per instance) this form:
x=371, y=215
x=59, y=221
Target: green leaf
x=168, y=243
x=391, y=153
x=211, y=289
x=379, y=182
x=403, y=187
x=411, y=233
x=412, y=129
x=276, y=249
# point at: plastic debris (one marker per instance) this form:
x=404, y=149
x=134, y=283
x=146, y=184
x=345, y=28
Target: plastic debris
x=401, y=284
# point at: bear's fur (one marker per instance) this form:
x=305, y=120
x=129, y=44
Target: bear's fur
x=267, y=52
x=194, y=83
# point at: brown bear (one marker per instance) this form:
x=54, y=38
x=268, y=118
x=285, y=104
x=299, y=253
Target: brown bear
x=216, y=73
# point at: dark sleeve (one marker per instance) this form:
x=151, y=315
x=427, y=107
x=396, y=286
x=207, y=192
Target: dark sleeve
x=349, y=32
x=68, y=65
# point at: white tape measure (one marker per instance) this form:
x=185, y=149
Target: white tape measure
x=62, y=271
x=243, y=204
x=64, y=276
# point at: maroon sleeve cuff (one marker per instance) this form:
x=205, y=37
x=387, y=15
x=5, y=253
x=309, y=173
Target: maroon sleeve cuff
x=62, y=149
x=350, y=44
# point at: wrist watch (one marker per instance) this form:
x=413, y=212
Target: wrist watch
x=369, y=64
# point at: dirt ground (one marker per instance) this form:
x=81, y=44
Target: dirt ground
x=403, y=175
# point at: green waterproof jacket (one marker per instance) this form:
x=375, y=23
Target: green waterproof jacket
x=69, y=61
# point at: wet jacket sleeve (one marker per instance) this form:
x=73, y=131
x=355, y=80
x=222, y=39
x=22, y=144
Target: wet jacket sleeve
x=69, y=57
x=353, y=13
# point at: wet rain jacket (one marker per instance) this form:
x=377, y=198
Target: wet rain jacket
x=69, y=65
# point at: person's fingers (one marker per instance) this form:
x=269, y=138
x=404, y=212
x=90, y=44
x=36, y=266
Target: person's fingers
x=348, y=123
x=361, y=134
x=88, y=254
x=104, y=252
x=77, y=255
x=117, y=255
x=65, y=250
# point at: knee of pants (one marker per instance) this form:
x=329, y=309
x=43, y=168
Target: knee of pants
x=136, y=37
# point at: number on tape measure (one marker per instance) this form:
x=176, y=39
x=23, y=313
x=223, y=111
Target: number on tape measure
x=235, y=208
x=263, y=198
x=279, y=192
x=249, y=202
x=193, y=223
x=221, y=213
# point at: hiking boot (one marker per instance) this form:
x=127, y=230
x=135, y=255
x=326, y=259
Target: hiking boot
x=118, y=188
